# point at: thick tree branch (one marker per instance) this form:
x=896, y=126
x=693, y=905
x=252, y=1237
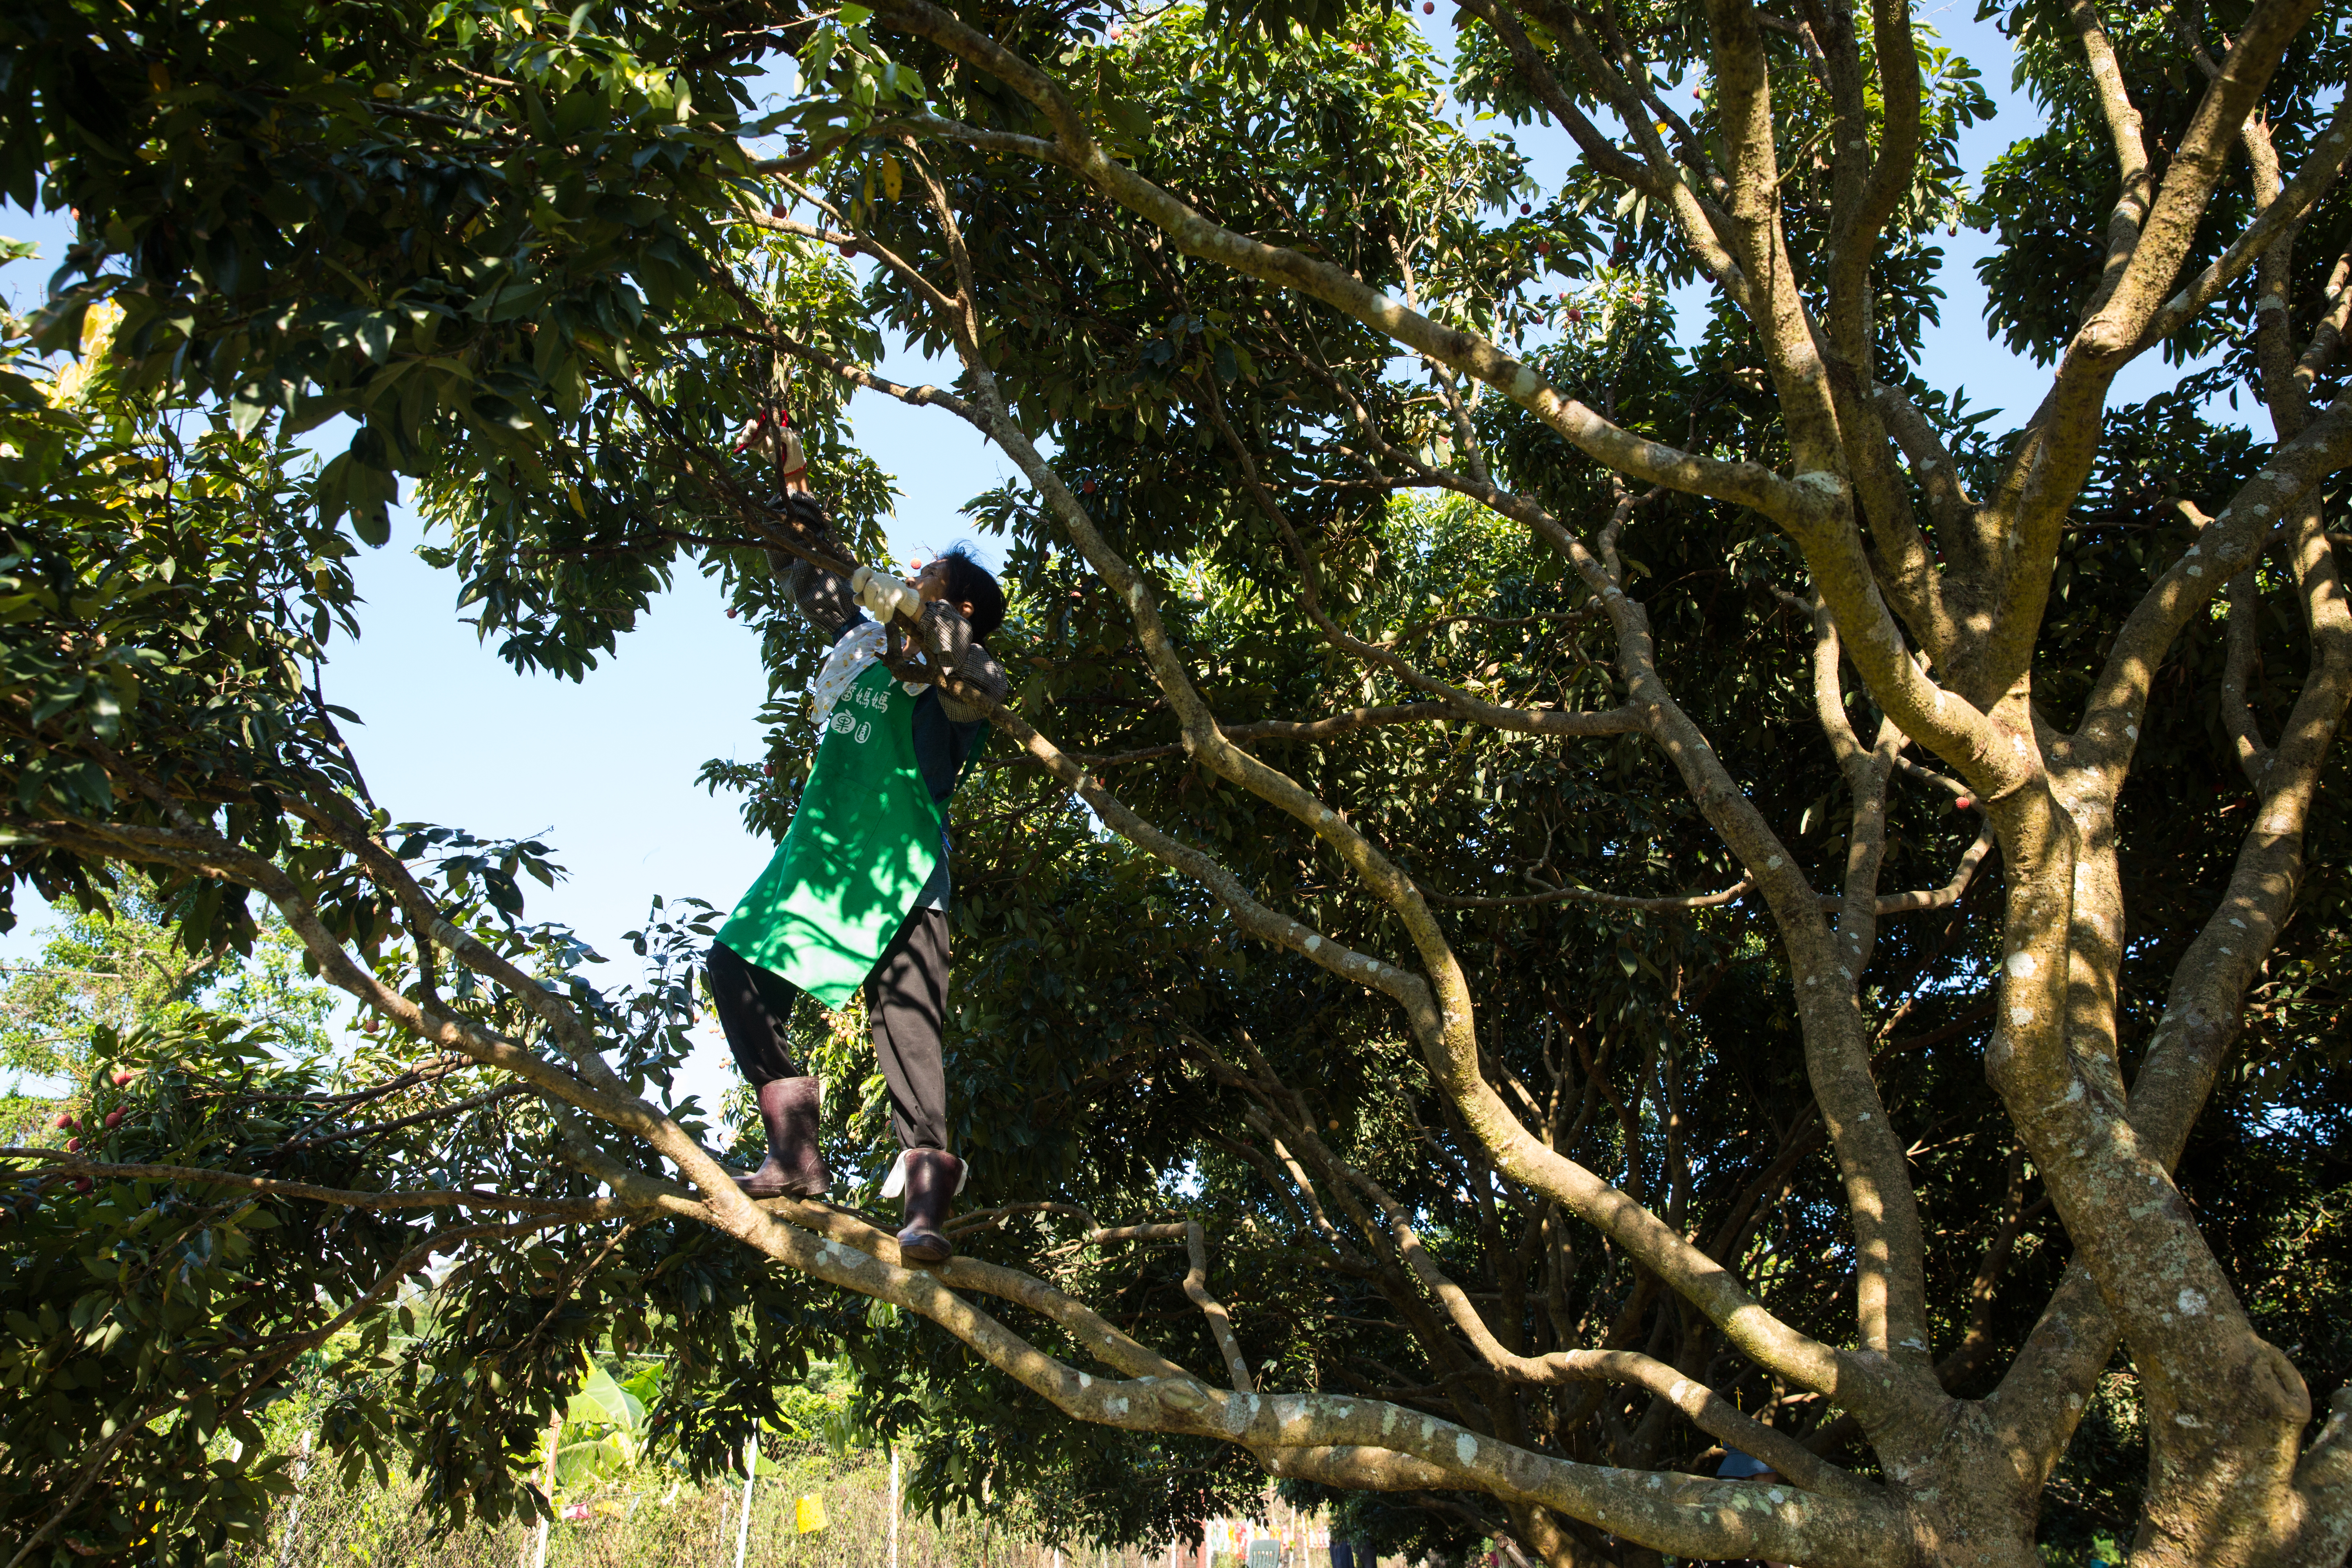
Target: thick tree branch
x=2110, y=728
x=2280, y=214
x=2125, y=140
x=1221, y=1322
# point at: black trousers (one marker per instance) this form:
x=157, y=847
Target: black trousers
x=906, y=999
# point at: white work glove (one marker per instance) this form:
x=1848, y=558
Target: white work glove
x=885, y=597
x=764, y=434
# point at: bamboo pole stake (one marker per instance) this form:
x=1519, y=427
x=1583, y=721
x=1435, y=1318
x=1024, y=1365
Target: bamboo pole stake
x=554, y=1441
x=743, y=1525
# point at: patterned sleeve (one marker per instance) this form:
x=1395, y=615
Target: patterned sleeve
x=823, y=598
x=948, y=640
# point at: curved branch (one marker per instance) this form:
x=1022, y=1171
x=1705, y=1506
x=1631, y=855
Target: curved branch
x=1221, y=1322
x=2110, y=727
x=2319, y=170
x=2125, y=139
x=1891, y=172
x=1948, y=895
x=1733, y=894
x=2242, y=651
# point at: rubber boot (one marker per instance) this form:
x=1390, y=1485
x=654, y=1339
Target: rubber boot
x=794, y=1169
x=933, y=1176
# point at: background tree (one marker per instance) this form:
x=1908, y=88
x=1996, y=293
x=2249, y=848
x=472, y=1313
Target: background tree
x=121, y=971
x=1221, y=252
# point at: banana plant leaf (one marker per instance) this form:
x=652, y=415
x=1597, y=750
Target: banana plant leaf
x=587, y=1462
x=601, y=1402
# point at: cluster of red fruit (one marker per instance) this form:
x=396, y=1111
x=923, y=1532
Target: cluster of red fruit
x=65, y=1121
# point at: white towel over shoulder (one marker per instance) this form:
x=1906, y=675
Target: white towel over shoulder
x=860, y=646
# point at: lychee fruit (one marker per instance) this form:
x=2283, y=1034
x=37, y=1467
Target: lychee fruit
x=114, y=1118
x=63, y=1120
x=73, y=1145
x=123, y=1076
x=1964, y=803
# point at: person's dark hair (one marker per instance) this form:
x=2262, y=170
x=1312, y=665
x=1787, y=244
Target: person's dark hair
x=970, y=582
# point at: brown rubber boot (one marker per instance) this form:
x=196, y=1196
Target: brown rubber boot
x=933, y=1176
x=794, y=1168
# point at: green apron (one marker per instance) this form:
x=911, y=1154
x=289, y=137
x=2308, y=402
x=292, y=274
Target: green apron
x=862, y=843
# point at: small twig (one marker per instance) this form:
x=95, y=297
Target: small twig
x=991, y=1218
x=504, y=1091
x=572, y=1283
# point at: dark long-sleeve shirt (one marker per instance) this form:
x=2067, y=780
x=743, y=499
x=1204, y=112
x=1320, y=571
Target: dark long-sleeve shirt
x=947, y=732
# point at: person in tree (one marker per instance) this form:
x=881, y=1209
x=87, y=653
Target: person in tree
x=856, y=896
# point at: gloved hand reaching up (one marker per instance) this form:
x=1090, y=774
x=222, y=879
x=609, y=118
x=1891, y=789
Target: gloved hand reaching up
x=885, y=597
x=770, y=434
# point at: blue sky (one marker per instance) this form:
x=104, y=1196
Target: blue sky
x=604, y=769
